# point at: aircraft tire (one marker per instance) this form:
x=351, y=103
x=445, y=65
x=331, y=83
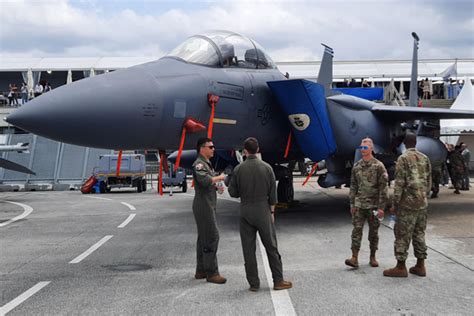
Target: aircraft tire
x=285, y=191
x=185, y=186
x=138, y=184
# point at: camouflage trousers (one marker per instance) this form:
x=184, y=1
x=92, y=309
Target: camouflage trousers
x=410, y=227
x=358, y=220
x=456, y=179
x=436, y=179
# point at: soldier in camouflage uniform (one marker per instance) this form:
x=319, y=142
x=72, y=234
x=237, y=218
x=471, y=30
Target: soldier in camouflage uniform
x=436, y=172
x=457, y=168
x=368, y=193
x=412, y=186
x=204, y=209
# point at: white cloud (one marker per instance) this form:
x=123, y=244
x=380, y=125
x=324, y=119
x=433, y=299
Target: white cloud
x=288, y=30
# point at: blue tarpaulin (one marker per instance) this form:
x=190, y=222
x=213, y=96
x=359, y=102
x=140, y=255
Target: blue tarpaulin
x=304, y=103
x=364, y=93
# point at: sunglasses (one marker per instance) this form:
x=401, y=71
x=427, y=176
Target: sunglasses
x=363, y=147
x=210, y=147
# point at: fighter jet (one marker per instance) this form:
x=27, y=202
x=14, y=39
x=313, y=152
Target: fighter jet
x=225, y=85
x=8, y=164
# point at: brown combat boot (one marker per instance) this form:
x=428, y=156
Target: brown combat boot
x=419, y=268
x=400, y=270
x=200, y=275
x=217, y=278
x=373, y=262
x=282, y=285
x=353, y=262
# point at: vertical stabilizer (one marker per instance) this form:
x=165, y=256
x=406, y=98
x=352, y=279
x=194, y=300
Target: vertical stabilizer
x=414, y=73
x=325, y=71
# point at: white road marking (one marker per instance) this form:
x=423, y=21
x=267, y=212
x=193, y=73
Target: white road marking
x=99, y=198
x=128, y=220
x=281, y=299
x=23, y=297
x=91, y=249
x=130, y=206
x=27, y=210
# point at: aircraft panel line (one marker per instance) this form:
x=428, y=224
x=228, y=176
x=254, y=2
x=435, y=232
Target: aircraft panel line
x=128, y=220
x=23, y=297
x=27, y=211
x=91, y=249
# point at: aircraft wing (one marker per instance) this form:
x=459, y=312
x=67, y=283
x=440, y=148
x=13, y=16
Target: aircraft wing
x=414, y=113
x=7, y=164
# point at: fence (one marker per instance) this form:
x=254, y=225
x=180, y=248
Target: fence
x=54, y=163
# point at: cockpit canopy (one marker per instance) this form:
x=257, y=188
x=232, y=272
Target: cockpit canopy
x=223, y=49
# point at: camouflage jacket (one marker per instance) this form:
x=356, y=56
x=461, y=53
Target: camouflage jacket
x=457, y=161
x=412, y=181
x=368, y=185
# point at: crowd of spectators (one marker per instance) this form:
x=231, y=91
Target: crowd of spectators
x=11, y=97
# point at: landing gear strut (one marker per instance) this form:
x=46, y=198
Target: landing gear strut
x=285, y=191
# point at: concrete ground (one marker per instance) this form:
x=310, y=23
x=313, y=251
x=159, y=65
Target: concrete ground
x=147, y=266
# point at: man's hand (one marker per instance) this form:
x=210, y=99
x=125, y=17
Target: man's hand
x=273, y=218
x=353, y=210
x=221, y=177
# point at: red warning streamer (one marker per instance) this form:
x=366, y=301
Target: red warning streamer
x=191, y=126
x=212, y=99
x=313, y=170
x=288, y=146
x=160, y=176
x=119, y=163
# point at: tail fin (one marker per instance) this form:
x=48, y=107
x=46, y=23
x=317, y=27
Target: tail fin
x=325, y=71
x=414, y=72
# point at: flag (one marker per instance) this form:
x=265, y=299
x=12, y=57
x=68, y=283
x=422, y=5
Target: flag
x=450, y=72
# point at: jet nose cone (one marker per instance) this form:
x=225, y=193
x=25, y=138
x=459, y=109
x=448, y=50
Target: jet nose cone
x=104, y=111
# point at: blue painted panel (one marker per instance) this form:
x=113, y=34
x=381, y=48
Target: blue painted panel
x=364, y=93
x=304, y=103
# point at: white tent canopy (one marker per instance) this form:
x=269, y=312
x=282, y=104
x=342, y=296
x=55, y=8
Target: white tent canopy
x=464, y=101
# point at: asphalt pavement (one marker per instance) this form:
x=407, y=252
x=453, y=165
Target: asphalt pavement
x=134, y=253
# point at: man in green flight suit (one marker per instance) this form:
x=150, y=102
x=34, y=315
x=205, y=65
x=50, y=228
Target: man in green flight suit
x=368, y=193
x=204, y=209
x=254, y=182
x=412, y=186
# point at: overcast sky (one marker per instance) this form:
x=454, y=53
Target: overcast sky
x=288, y=30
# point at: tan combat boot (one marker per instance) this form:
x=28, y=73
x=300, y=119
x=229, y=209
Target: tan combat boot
x=419, y=268
x=373, y=262
x=400, y=270
x=217, y=278
x=282, y=285
x=353, y=262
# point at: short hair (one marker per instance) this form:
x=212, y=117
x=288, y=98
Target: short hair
x=251, y=145
x=201, y=142
x=410, y=140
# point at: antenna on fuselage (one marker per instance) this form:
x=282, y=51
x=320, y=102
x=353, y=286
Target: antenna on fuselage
x=414, y=72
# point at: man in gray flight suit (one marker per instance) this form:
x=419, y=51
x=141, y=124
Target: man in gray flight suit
x=254, y=182
x=204, y=209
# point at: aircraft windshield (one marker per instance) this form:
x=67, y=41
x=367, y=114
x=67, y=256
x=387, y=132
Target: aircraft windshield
x=223, y=49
